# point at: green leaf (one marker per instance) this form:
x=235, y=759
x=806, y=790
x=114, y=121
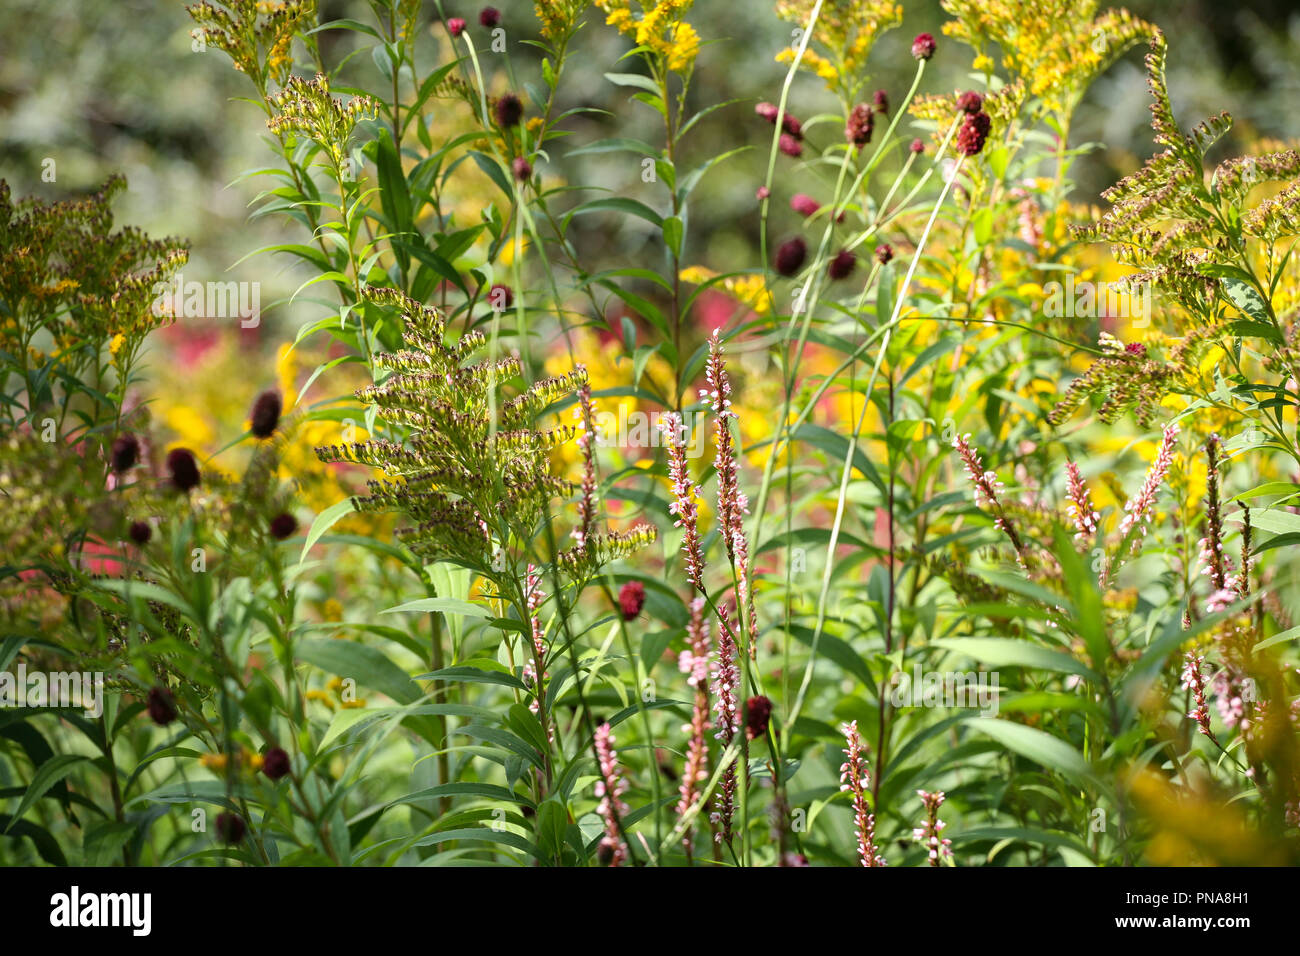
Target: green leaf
x=1005, y=652
x=1036, y=745
x=50, y=773
x=368, y=666
x=324, y=521
x=441, y=606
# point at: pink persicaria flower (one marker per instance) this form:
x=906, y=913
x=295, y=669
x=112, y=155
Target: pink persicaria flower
x=854, y=779
x=694, y=663
x=987, y=484
x=610, y=789
x=790, y=146
x=534, y=596
x=1080, y=508
x=587, y=445
x=726, y=681
x=804, y=204
x=1137, y=510
x=684, y=494
x=928, y=834
x=1194, y=681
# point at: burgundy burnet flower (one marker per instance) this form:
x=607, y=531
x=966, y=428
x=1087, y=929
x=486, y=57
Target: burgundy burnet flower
x=523, y=169
x=126, y=452
x=230, y=827
x=509, y=110
x=842, y=265
x=162, y=706
x=183, y=468
x=790, y=256
x=804, y=204
x=500, y=296
x=917, y=147
x=275, y=763
x=973, y=133
x=758, y=710
x=140, y=532
x=884, y=253
x=489, y=17
x=970, y=102
x=1136, y=348
x=789, y=122
x=265, y=415
x=923, y=46
x=881, y=101
x=790, y=146
x=283, y=525
x=858, y=129
x=631, y=598
x=456, y=26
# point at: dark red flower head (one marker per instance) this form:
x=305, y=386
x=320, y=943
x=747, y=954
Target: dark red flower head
x=140, y=532
x=923, y=46
x=973, y=133
x=768, y=111
x=126, y=452
x=881, y=101
x=631, y=598
x=842, y=265
x=758, y=710
x=917, y=146
x=275, y=763
x=804, y=204
x=970, y=102
x=791, y=124
x=230, y=827
x=509, y=110
x=162, y=706
x=456, y=26
x=522, y=168
x=489, y=17
x=501, y=297
x=266, y=413
x=790, y=146
x=283, y=525
x=858, y=129
x=183, y=468
x=790, y=255
x=1136, y=348
x=884, y=253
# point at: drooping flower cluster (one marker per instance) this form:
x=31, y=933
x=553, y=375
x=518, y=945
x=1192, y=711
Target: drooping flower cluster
x=1194, y=681
x=854, y=779
x=306, y=107
x=1080, y=508
x=928, y=833
x=726, y=682
x=987, y=486
x=466, y=463
x=587, y=446
x=256, y=35
x=684, y=492
x=694, y=663
x=1137, y=510
x=842, y=38
x=610, y=789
